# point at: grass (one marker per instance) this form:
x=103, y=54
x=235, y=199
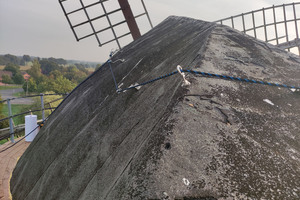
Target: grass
x=3, y=141
x=18, y=135
x=6, y=87
x=24, y=68
x=16, y=109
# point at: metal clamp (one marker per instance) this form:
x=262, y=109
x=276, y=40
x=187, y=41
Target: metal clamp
x=185, y=82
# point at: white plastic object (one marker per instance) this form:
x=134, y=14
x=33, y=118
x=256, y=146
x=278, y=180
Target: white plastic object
x=30, y=125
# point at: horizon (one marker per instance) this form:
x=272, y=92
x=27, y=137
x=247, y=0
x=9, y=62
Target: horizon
x=33, y=57
x=41, y=29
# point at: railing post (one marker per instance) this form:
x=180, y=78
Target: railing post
x=42, y=104
x=11, y=126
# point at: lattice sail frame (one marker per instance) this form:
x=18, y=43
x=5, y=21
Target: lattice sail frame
x=83, y=8
x=270, y=25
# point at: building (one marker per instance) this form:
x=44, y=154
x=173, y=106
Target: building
x=26, y=76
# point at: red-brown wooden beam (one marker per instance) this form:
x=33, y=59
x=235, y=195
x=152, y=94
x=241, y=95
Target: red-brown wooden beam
x=132, y=25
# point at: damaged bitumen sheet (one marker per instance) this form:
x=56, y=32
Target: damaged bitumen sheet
x=213, y=139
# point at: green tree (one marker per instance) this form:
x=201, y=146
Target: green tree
x=26, y=58
x=74, y=74
x=12, y=68
x=59, y=61
x=30, y=85
x=55, y=74
x=49, y=66
x=6, y=79
x=12, y=59
x=45, y=84
x=35, y=71
x=5, y=59
x=63, y=85
x=82, y=68
x=18, y=78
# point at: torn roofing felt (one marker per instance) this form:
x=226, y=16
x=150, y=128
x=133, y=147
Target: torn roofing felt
x=212, y=139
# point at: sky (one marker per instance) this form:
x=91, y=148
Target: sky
x=39, y=27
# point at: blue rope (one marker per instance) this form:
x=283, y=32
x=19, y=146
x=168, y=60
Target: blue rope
x=213, y=76
x=239, y=79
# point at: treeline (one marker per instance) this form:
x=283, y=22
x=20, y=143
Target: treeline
x=22, y=60
x=8, y=58
x=47, y=75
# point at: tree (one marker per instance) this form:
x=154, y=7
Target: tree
x=82, y=68
x=18, y=78
x=63, y=85
x=75, y=76
x=58, y=61
x=45, y=84
x=30, y=85
x=6, y=79
x=26, y=58
x=54, y=74
x=49, y=66
x=12, y=59
x=35, y=71
x=12, y=68
x=5, y=59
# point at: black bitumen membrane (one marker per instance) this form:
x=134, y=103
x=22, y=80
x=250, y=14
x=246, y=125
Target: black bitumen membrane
x=213, y=139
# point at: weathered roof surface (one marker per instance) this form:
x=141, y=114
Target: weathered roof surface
x=214, y=139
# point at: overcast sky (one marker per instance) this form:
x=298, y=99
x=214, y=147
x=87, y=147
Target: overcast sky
x=39, y=27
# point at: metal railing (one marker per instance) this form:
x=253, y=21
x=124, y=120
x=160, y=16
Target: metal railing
x=11, y=116
x=276, y=24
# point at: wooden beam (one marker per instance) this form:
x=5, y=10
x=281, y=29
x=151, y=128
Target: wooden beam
x=129, y=17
